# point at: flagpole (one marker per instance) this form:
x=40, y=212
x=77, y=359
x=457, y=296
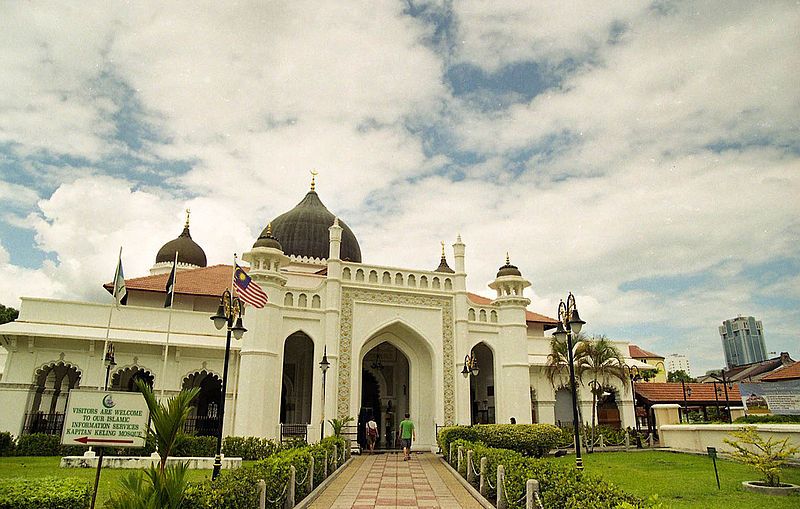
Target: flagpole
x=169, y=326
x=116, y=302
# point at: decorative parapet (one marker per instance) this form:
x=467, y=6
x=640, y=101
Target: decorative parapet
x=397, y=278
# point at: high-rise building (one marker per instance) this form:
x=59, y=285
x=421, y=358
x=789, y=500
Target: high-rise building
x=677, y=362
x=742, y=341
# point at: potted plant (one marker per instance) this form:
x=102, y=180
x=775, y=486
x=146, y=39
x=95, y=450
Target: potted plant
x=766, y=456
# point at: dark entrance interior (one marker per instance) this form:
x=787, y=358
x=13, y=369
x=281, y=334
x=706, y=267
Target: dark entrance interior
x=370, y=407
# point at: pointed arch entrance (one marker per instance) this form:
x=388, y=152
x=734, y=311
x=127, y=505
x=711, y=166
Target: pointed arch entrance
x=482, y=387
x=297, y=379
x=384, y=393
x=410, y=386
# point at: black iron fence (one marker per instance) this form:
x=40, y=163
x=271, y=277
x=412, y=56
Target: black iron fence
x=294, y=432
x=40, y=422
x=201, y=426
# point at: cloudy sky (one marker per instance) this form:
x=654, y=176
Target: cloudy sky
x=644, y=155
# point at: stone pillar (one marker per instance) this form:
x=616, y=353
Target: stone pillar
x=666, y=414
x=736, y=412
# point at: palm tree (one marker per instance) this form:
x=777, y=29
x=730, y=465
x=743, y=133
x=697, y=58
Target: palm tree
x=601, y=361
x=557, y=367
x=160, y=487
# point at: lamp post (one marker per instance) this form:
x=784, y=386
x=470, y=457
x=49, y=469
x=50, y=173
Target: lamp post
x=722, y=378
x=633, y=375
x=471, y=369
x=570, y=322
x=687, y=391
x=109, y=362
x=323, y=365
x=229, y=313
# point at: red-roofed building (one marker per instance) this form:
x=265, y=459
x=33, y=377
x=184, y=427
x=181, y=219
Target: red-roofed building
x=789, y=372
x=397, y=339
x=659, y=374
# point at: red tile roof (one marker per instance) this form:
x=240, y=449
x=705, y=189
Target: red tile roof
x=639, y=353
x=790, y=372
x=530, y=316
x=669, y=392
x=205, y=281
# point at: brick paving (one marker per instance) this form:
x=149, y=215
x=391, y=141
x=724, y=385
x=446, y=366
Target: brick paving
x=384, y=481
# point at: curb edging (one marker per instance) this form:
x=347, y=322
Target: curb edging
x=470, y=488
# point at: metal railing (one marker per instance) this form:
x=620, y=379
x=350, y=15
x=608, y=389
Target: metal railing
x=201, y=426
x=40, y=422
x=294, y=432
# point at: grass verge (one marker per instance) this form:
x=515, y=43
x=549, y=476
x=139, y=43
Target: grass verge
x=685, y=481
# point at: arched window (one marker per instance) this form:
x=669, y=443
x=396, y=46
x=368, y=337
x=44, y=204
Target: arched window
x=346, y=273
x=387, y=278
x=297, y=379
x=398, y=279
x=53, y=383
x=204, y=418
x=423, y=281
x=471, y=315
x=302, y=301
x=412, y=281
x=482, y=315
x=373, y=276
x=125, y=379
x=493, y=316
x=435, y=283
x=448, y=284
x=482, y=387
x=359, y=275
x=288, y=300
x=315, y=302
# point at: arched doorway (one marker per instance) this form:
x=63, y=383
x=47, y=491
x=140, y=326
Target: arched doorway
x=415, y=389
x=204, y=417
x=53, y=383
x=564, y=411
x=297, y=379
x=482, y=387
x=125, y=379
x=385, y=385
x=607, y=409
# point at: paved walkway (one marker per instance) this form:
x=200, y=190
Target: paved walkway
x=383, y=481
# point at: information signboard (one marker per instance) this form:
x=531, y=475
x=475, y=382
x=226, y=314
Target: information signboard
x=771, y=397
x=105, y=418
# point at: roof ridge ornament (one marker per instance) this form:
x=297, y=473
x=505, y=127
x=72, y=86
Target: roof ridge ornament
x=188, y=211
x=314, y=173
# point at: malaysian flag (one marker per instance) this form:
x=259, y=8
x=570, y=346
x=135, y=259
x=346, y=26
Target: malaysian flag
x=247, y=289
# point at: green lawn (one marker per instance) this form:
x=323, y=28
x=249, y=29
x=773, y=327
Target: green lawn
x=685, y=481
x=31, y=467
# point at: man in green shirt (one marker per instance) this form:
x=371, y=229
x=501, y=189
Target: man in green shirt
x=407, y=434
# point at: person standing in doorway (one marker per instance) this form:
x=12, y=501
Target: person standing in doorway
x=372, y=434
x=513, y=420
x=407, y=435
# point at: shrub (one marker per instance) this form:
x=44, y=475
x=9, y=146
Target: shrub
x=194, y=446
x=453, y=433
x=7, y=444
x=768, y=419
x=766, y=456
x=249, y=448
x=44, y=493
x=560, y=485
x=38, y=444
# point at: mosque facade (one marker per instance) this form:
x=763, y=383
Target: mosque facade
x=397, y=340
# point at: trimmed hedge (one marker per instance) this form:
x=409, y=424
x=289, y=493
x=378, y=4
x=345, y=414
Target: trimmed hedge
x=528, y=439
x=44, y=493
x=768, y=419
x=235, y=489
x=250, y=448
x=561, y=486
x=7, y=444
x=194, y=446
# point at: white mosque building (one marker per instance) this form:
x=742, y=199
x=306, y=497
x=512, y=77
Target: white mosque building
x=396, y=339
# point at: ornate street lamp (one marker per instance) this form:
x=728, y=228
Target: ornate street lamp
x=569, y=323
x=470, y=365
x=324, y=365
x=109, y=362
x=229, y=313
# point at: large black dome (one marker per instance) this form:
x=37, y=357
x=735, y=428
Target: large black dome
x=188, y=250
x=303, y=231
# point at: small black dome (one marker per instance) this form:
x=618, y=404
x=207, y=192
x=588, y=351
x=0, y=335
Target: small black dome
x=508, y=269
x=303, y=231
x=188, y=250
x=267, y=240
x=443, y=267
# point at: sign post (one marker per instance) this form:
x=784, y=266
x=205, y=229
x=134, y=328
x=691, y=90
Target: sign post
x=712, y=453
x=105, y=418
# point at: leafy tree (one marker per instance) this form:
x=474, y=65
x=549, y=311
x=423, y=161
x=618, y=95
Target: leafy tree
x=766, y=456
x=600, y=361
x=162, y=486
x=7, y=314
x=679, y=376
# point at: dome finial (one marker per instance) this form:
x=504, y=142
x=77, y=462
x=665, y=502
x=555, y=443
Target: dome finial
x=269, y=229
x=188, y=211
x=314, y=173
x=508, y=260
x=442, y=249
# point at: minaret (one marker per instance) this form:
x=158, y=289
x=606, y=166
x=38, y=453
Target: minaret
x=513, y=375
x=266, y=259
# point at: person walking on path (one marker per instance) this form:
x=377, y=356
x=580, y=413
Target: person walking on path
x=372, y=434
x=407, y=435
